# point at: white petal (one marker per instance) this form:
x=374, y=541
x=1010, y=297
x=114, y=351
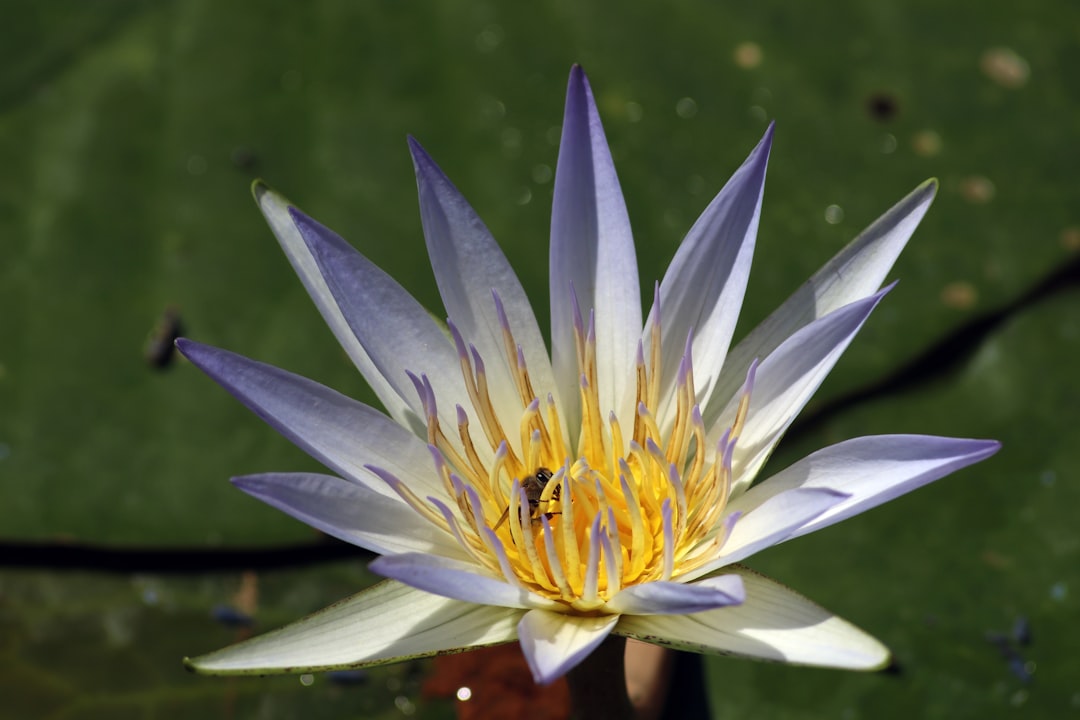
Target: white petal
x=703, y=288
x=350, y=512
x=770, y=523
x=855, y=272
x=785, y=382
x=871, y=470
x=275, y=209
x=387, y=623
x=592, y=251
x=398, y=334
x=338, y=431
x=553, y=643
x=676, y=598
x=469, y=267
x=461, y=580
x=774, y=623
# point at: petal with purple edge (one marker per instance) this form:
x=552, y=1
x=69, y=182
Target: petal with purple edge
x=397, y=332
x=774, y=623
x=553, y=643
x=871, y=470
x=276, y=210
x=386, y=623
x=770, y=523
x=855, y=272
x=676, y=598
x=786, y=380
x=338, y=431
x=703, y=287
x=469, y=267
x=592, y=256
x=350, y=512
x=455, y=579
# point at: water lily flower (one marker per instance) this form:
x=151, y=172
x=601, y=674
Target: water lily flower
x=606, y=488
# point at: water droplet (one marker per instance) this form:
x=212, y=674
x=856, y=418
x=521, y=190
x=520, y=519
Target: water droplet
x=307, y=679
x=1070, y=239
x=834, y=214
x=1005, y=67
x=748, y=55
x=959, y=295
x=489, y=38
x=405, y=705
x=926, y=143
x=524, y=196
x=463, y=693
x=888, y=145
x=686, y=108
x=977, y=189
x=1059, y=591
x=542, y=174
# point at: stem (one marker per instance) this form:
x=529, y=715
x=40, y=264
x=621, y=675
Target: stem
x=598, y=684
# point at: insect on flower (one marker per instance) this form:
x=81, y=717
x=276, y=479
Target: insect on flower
x=538, y=495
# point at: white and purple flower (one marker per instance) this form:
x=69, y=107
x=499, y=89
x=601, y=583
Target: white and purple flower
x=602, y=489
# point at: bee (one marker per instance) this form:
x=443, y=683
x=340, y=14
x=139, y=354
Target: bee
x=534, y=489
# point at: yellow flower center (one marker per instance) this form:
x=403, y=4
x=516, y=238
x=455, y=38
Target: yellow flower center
x=576, y=522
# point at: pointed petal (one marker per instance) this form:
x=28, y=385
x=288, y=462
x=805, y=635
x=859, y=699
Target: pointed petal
x=592, y=252
x=338, y=431
x=469, y=266
x=785, y=382
x=350, y=512
x=275, y=209
x=703, y=288
x=461, y=580
x=387, y=623
x=554, y=642
x=398, y=334
x=774, y=623
x=770, y=523
x=871, y=470
x=677, y=598
x=855, y=272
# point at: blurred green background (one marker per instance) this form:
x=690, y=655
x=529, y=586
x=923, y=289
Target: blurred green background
x=130, y=131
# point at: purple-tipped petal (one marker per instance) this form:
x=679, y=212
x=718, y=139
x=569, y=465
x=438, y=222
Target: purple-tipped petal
x=592, y=255
x=553, y=643
x=771, y=523
x=397, y=333
x=786, y=380
x=774, y=623
x=455, y=579
x=338, y=431
x=703, y=287
x=469, y=267
x=676, y=598
x=855, y=272
x=350, y=512
x=277, y=211
x=871, y=470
